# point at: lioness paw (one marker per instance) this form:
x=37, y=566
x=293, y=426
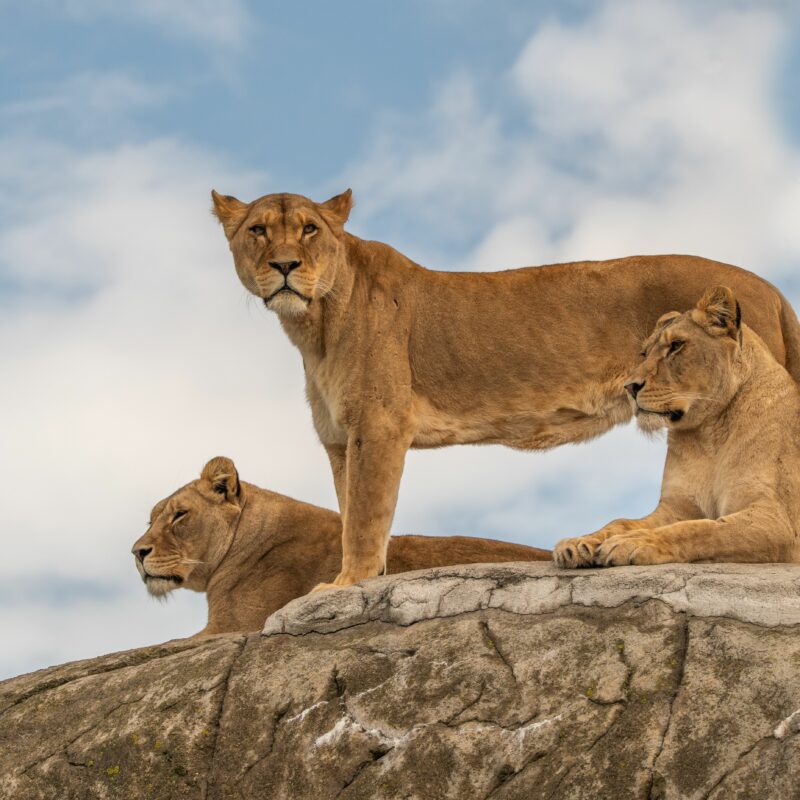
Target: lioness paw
x=576, y=552
x=635, y=547
x=339, y=582
x=321, y=587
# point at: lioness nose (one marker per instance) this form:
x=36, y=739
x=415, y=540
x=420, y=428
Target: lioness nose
x=142, y=553
x=633, y=389
x=284, y=267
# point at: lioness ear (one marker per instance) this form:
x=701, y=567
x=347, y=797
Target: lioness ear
x=666, y=319
x=221, y=474
x=337, y=209
x=721, y=311
x=229, y=211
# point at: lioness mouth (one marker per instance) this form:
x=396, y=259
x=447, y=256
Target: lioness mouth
x=673, y=416
x=287, y=288
x=174, y=578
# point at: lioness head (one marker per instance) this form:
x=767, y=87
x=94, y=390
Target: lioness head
x=286, y=248
x=190, y=531
x=689, y=368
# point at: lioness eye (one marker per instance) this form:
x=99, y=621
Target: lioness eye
x=178, y=515
x=310, y=228
x=258, y=230
x=675, y=346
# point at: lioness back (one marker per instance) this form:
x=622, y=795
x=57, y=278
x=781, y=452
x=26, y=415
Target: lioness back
x=407, y=553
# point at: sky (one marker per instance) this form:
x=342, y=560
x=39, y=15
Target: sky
x=474, y=134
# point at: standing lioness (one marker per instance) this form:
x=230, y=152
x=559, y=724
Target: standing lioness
x=399, y=356
x=731, y=488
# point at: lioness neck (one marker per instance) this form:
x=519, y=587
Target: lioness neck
x=360, y=268
x=763, y=385
x=281, y=549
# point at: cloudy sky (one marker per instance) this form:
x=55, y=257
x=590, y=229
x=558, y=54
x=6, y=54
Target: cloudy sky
x=475, y=135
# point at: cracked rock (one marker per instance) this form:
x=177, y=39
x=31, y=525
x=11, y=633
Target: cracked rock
x=489, y=681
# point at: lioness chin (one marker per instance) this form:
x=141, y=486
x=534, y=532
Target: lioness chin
x=731, y=487
x=252, y=551
x=399, y=356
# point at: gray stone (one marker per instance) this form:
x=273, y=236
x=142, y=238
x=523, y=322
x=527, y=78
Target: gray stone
x=751, y=593
x=509, y=681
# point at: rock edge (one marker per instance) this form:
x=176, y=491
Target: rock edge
x=762, y=594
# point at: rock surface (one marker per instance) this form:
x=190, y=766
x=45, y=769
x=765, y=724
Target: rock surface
x=501, y=681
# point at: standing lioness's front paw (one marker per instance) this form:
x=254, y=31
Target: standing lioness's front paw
x=576, y=552
x=634, y=547
x=321, y=587
x=339, y=582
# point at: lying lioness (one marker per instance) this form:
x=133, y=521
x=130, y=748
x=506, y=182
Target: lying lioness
x=398, y=356
x=731, y=488
x=252, y=551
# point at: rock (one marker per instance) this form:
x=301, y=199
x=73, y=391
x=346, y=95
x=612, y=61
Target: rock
x=501, y=681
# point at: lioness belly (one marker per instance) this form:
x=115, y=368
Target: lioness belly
x=525, y=428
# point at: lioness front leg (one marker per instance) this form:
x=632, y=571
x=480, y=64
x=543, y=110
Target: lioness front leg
x=337, y=455
x=580, y=551
x=751, y=535
x=374, y=466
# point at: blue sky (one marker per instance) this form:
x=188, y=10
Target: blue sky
x=305, y=83
x=475, y=135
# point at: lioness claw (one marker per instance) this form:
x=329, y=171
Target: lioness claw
x=577, y=552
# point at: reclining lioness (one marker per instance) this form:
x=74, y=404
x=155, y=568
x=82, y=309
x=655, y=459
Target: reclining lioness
x=252, y=551
x=399, y=356
x=731, y=487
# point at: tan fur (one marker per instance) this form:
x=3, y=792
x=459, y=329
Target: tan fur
x=731, y=487
x=252, y=551
x=399, y=356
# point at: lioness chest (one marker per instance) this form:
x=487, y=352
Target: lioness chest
x=716, y=482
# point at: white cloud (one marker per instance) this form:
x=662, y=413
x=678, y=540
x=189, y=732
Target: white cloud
x=219, y=23
x=131, y=355
x=648, y=127
x=90, y=94
x=666, y=109
x=120, y=395
x=39, y=635
x=215, y=21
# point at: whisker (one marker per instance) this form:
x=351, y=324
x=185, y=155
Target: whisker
x=328, y=288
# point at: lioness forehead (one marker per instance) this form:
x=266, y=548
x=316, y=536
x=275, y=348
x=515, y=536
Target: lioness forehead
x=281, y=203
x=675, y=328
x=185, y=493
x=157, y=509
